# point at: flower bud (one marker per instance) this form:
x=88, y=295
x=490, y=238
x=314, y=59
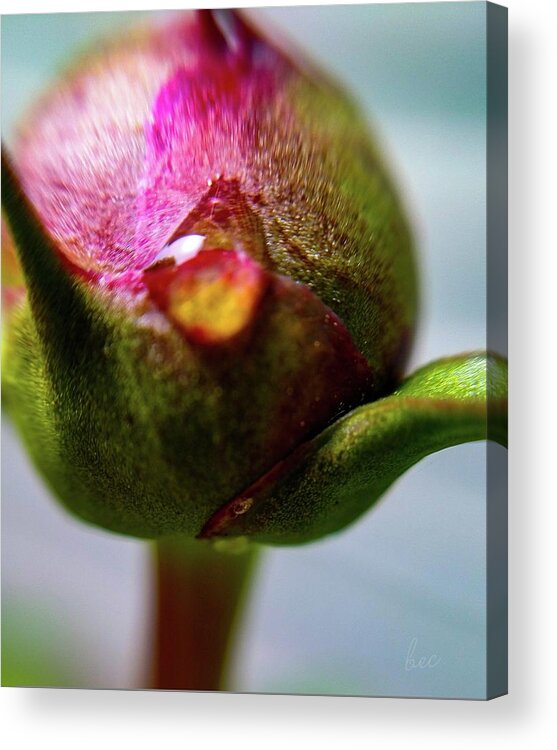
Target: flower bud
x=216, y=268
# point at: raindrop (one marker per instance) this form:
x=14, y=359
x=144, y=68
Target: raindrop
x=182, y=249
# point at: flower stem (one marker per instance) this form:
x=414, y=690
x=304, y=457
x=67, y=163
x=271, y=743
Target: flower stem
x=199, y=595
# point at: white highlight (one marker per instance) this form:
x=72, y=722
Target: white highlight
x=183, y=248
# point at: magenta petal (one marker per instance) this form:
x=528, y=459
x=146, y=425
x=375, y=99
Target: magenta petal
x=123, y=149
x=203, y=125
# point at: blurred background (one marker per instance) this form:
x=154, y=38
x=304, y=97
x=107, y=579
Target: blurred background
x=339, y=616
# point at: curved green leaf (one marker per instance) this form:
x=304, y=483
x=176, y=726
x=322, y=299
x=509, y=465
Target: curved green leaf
x=330, y=481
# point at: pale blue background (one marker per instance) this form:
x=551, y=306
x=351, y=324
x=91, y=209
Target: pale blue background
x=337, y=616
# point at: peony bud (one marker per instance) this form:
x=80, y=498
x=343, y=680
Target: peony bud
x=216, y=269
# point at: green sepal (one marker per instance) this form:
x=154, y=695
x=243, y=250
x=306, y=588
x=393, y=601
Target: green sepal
x=55, y=294
x=330, y=481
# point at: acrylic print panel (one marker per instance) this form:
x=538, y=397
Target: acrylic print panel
x=252, y=265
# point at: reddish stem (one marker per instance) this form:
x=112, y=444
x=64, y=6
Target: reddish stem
x=199, y=592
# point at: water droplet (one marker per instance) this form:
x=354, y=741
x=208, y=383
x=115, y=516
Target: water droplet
x=242, y=506
x=182, y=249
